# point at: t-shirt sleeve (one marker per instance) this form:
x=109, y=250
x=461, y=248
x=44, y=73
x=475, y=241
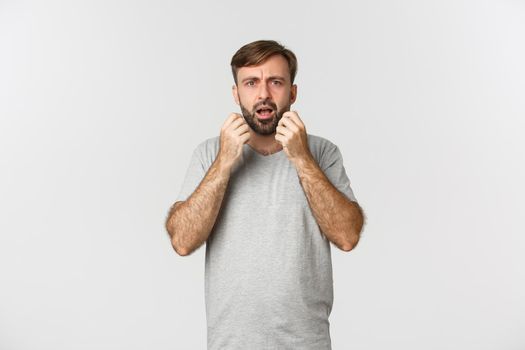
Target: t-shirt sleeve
x=334, y=170
x=194, y=175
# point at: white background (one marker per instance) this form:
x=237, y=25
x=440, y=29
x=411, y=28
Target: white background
x=102, y=103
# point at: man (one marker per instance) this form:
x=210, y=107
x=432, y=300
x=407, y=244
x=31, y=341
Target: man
x=267, y=198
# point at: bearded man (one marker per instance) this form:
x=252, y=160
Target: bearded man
x=268, y=199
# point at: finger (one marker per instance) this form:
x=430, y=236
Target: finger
x=231, y=118
x=295, y=117
x=245, y=137
x=280, y=138
x=290, y=124
x=284, y=131
x=292, y=115
x=242, y=129
x=237, y=123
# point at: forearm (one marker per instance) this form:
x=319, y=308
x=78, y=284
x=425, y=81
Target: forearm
x=340, y=219
x=189, y=223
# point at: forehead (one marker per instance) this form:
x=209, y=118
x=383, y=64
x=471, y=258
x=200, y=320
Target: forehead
x=275, y=65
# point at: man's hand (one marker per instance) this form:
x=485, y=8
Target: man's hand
x=291, y=134
x=235, y=132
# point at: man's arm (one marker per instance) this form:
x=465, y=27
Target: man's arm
x=340, y=219
x=189, y=223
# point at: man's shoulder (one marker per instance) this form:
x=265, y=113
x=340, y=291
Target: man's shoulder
x=323, y=150
x=320, y=143
x=208, y=144
x=208, y=148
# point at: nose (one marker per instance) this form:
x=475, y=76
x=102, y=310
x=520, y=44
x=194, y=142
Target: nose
x=264, y=92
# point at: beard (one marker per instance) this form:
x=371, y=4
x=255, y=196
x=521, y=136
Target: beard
x=263, y=127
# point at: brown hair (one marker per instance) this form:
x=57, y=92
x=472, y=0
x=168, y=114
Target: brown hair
x=259, y=51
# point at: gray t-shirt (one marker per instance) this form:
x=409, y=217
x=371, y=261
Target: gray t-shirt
x=268, y=268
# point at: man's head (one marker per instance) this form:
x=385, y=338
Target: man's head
x=264, y=72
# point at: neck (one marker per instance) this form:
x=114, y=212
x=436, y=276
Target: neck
x=264, y=143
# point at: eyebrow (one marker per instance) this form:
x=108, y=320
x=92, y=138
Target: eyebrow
x=273, y=77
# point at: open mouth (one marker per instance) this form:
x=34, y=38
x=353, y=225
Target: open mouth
x=264, y=112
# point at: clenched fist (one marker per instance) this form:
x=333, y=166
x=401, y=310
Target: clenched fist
x=291, y=134
x=235, y=132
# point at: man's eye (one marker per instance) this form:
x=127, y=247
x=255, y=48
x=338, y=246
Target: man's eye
x=250, y=83
x=277, y=82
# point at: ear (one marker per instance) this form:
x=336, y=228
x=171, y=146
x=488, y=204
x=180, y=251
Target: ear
x=293, y=93
x=235, y=94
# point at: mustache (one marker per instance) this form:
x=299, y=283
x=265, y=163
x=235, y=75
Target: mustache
x=267, y=104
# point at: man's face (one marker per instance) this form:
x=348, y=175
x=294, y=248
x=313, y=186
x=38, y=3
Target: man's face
x=264, y=93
